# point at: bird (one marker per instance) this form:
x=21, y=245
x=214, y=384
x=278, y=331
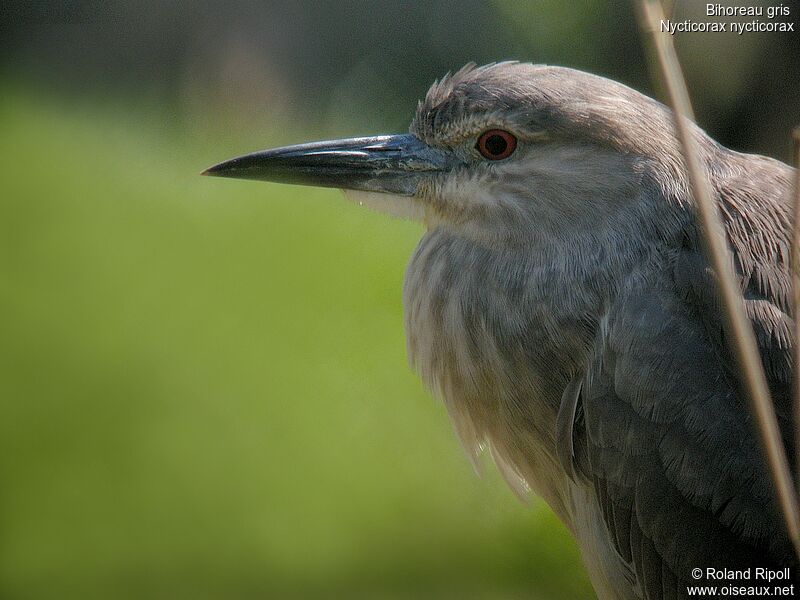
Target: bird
x=561, y=305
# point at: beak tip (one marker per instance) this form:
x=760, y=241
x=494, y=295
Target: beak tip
x=223, y=169
x=233, y=168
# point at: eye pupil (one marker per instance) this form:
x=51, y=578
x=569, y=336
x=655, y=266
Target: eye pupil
x=496, y=144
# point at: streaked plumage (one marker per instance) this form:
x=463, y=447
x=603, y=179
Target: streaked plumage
x=603, y=286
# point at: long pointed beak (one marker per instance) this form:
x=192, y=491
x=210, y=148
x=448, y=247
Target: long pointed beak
x=388, y=163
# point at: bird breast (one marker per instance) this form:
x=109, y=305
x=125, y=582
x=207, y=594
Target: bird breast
x=497, y=336
x=492, y=334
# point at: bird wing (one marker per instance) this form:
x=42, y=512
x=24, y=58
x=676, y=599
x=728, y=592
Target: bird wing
x=666, y=438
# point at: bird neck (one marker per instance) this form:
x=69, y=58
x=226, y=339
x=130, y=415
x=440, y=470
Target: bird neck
x=498, y=332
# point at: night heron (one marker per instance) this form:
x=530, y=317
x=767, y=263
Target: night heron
x=561, y=306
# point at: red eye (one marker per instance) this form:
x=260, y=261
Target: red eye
x=496, y=144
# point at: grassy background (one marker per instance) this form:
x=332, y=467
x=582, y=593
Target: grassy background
x=203, y=385
x=204, y=391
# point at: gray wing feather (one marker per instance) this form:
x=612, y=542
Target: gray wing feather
x=565, y=423
x=667, y=439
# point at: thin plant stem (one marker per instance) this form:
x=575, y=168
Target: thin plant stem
x=741, y=336
x=796, y=290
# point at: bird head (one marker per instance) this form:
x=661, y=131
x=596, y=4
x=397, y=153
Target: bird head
x=509, y=151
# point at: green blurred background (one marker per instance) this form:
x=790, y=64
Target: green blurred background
x=203, y=384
